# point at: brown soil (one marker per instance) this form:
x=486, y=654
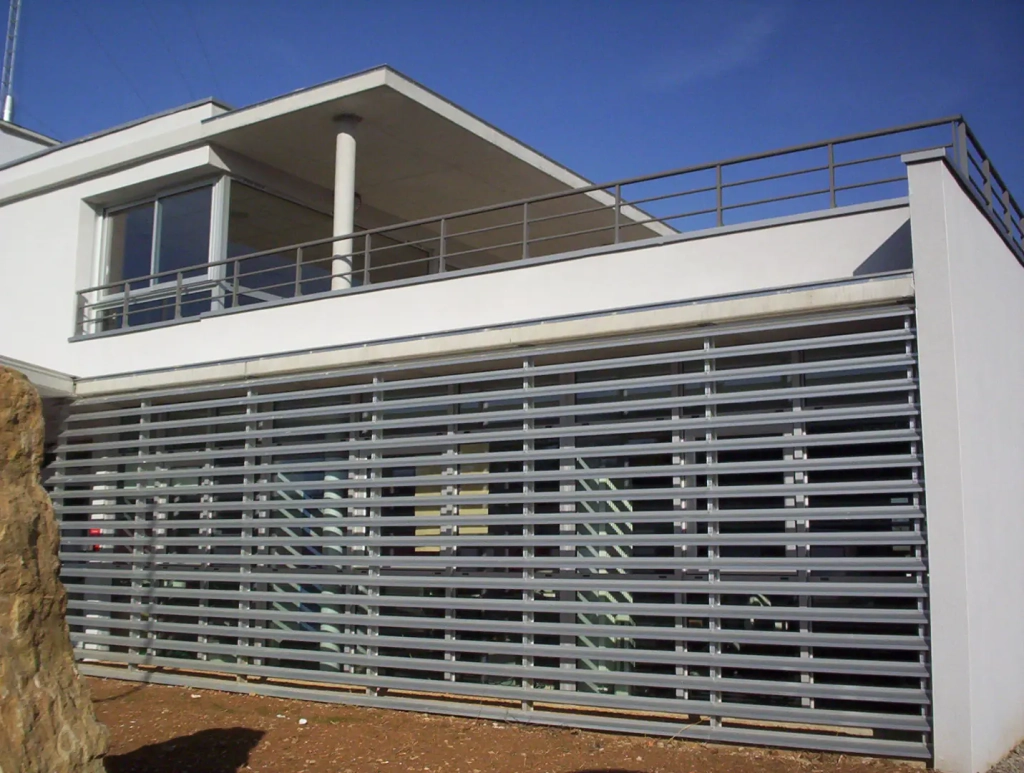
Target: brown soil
x=156, y=729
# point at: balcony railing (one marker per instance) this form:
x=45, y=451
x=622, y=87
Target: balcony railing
x=856, y=169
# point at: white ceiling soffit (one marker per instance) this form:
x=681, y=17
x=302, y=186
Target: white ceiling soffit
x=419, y=155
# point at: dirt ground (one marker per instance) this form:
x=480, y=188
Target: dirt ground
x=156, y=729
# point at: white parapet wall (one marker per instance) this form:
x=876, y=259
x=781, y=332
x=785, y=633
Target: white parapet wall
x=827, y=246
x=970, y=303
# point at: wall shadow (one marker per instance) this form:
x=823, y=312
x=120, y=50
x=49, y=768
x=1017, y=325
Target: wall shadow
x=894, y=254
x=218, y=750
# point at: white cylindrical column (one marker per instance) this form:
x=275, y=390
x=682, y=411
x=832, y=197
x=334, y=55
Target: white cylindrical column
x=344, y=199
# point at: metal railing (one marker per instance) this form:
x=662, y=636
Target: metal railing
x=855, y=169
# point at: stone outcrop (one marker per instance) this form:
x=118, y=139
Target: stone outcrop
x=47, y=724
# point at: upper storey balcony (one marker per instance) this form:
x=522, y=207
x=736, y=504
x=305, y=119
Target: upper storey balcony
x=370, y=209
x=229, y=245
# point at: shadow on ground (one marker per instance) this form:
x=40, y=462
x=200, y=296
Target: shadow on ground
x=219, y=750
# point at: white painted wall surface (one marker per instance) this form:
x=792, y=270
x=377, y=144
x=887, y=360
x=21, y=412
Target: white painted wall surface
x=47, y=252
x=13, y=146
x=970, y=300
x=752, y=260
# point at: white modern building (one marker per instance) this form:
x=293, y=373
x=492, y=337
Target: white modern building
x=356, y=398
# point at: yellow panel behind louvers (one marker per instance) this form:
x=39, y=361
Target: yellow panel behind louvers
x=477, y=491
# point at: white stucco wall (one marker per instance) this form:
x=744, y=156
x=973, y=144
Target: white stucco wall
x=746, y=261
x=970, y=300
x=47, y=251
x=14, y=146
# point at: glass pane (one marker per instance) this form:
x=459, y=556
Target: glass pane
x=131, y=243
x=185, y=232
x=260, y=221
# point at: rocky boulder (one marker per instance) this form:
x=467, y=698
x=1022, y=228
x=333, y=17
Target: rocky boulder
x=47, y=724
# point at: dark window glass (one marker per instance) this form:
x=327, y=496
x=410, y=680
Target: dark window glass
x=184, y=231
x=131, y=243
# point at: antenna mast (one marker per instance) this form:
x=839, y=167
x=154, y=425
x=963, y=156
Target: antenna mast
x=7, y=76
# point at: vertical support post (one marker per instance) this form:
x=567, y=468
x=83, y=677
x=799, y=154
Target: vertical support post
x=124, y=306
x=298, y=272
x=344, y=200
x=529, y=514
x=567, y=552
x=442, y=247
x=963, y=159
x=526, y=230
x=177, y=295
x=1007, y=219
x=245, y=551
x=139, y=558
x=366, y=259
x=714, y=549
x=831, y=175
x=618, y=212
x=986, y=172
x=373, y=530
x=794, y=455
x=234, y=286
x=718, y=195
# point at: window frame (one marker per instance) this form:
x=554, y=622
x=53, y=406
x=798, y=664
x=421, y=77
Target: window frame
x=154, y=198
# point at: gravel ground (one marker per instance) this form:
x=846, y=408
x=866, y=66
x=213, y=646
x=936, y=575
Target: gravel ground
x=155, y=729
x=1012, y=763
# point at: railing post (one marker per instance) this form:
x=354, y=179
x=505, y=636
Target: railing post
x=298, y=272
x=831, y=175
x=618, y=211
x=526, y=230
x=1007, y=218
x=963, y=159
x=442, y=247
x=718, y=194
x=234, y=285
x=986, y=172
x=124, y=306
x=80, y=311
x=177, y=295
x=366, y=260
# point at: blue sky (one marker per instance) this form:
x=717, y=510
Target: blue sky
x=610, y=89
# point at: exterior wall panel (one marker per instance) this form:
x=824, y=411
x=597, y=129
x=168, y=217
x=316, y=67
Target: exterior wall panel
x=709, y=532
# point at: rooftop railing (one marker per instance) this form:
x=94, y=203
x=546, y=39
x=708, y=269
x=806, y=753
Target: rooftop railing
x=856, y=169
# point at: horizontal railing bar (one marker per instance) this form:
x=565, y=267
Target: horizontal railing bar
x=788, y=197
x=517, y=650
x=907, y=616
x=878, y=643
x=475, y=478
x=887, y=156
x=907, y=565
x=479, y=359
x=889, y=487
x=446, y=457
x=670, y=585
x=679, y=355
x=628, y=541
x=464, y=667
x=158, y=520
x=782, y=441
x=777, y=176
x=751, y=736
x=663, y=197
x=726, y=421
x=870, y=183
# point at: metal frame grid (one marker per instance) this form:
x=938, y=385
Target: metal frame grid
x=713, y=533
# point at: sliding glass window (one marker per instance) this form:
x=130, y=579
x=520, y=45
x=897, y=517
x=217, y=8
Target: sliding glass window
x=153, y=249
